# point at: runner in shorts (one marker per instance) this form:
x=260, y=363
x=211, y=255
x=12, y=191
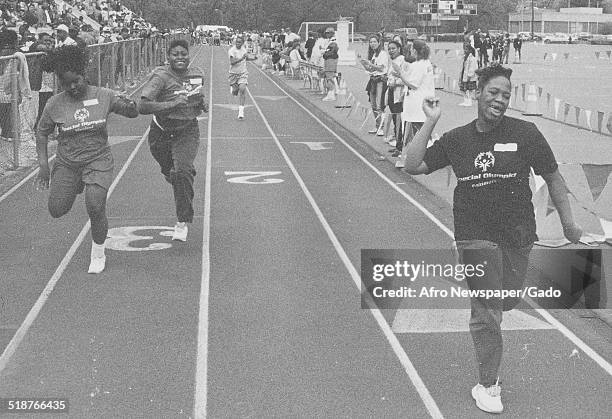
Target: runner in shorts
x=84, y=160
x=238, y=73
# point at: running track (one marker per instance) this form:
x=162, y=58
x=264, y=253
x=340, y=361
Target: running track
x=258, y=314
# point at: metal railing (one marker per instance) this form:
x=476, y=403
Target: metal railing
x=116, y=65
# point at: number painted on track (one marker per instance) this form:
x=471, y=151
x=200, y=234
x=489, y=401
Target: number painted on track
x=121, y=238
x=248, y=177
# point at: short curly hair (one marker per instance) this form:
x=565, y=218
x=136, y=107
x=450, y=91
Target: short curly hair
x=494, y=70
x=69, y=58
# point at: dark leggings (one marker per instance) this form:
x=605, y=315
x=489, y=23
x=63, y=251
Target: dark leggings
x=175, y=151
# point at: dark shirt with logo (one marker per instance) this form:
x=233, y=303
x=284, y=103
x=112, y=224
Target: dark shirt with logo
x=165, y=85
x=492, y=199
x=81, y=123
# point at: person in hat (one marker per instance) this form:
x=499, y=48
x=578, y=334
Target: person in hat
x=84, y=161
x=62, y=36
x=73, y=32
x=106, y=36
x=494, y=219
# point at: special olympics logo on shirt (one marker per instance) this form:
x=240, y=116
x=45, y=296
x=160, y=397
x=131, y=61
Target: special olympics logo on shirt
x=81, y=115
x=484, y=160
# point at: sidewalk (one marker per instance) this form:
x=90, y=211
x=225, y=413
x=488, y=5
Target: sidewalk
x=592, y=148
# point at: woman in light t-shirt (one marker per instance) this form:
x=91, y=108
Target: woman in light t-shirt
x=420, y=80
x=376, y=65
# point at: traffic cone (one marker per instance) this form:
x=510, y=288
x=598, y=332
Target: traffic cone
x=532, y=108
x=342, y=97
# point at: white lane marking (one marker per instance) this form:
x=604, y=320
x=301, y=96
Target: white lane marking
x=273, y=98
x=407, y=364
x=247, y=177
x=605, y=365
x=10, y=349
x=230, y=106
x=314, y=145
x=201, y=375
x=24, y=180
x=457, y=320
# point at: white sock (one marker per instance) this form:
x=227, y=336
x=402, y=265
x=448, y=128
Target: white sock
x=240, y=109
x=97, y=250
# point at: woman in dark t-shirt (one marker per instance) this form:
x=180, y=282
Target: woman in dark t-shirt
x=494, y=219
x=84, y=160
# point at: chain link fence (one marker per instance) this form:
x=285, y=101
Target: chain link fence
x=115, y=65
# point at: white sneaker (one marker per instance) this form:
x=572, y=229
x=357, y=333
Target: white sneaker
x=392, y=143
x=380, y=133
x=399, y=164
x=180, y=232
x=330, y=97
x=96, y=265
x=372, y=131
x=488, y=399
x=240, y=112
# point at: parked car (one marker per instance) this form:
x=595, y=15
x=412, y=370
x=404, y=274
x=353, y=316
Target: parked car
x=601, y=40
x=556, y=38
x=359, y=37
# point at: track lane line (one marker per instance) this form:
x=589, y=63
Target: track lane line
x=405, y=361
x=201, y=375
x=598, y=359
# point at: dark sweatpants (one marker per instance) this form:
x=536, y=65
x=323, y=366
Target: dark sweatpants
x=175, y=151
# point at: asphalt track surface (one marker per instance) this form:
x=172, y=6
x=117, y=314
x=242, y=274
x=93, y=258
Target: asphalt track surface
x=258, y=314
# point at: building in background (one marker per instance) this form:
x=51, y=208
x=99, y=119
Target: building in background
x=567, y=20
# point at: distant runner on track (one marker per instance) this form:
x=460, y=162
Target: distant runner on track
x=84, y=160
x=173, y=95
x=238, y=73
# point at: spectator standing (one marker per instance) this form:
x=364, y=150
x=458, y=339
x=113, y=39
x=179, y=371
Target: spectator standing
x=330, y=69
x=506, y=48
x=468, y=75
x=377, y=66
x=518, y=44
x=18, y=65
x=310, y=42
x=420, y=81
x=483, y=56
x=396, y=91
x=62, y=37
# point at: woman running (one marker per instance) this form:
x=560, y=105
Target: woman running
x=84, y=160
x=173, y=95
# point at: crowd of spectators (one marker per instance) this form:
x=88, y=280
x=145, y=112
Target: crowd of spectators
x=66, y=22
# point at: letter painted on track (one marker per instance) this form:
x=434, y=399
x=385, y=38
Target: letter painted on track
x=121, y=238
x=314, y=145
x=248, y=177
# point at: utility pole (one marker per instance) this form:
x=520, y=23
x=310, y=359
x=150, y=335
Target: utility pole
x=532, y=19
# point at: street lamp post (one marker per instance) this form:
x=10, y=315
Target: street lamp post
x=532, y=19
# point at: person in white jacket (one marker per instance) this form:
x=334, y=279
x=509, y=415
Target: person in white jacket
x=420, y=81
x=468, y=75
